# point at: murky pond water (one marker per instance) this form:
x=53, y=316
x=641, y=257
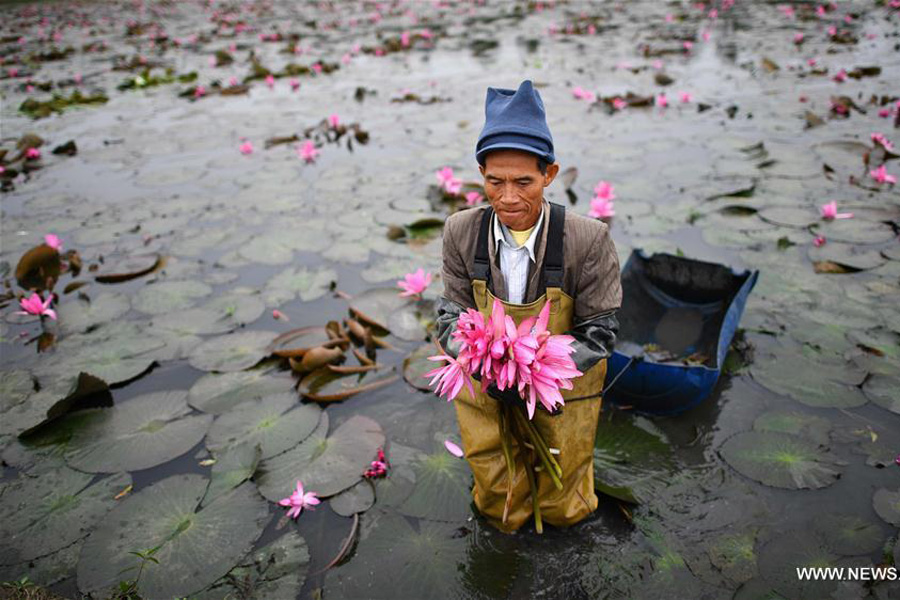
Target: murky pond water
x=790, y=462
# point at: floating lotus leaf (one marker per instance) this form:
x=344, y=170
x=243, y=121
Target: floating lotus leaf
x=884, y=391
x=37, y=267
x=324, y=385
x=233, y=352
x=271, y=248
x=196, y=547
x=275, y=571
x=780, y=559
x=393, y=489
x=356, y=499
x=236, y=309
x=347, y=251
x=789, y=216
x=408, y=322
x=375, y=306
x=298, y=342
x=855, y=231
x=16, y=385
x=814, y=383
x=879, y=450
x=217, y=393
x=62, y=396
x=733, y=554
x=442, y=490
x=431, y=556
x=887, y=505
x=325, y=465
x=632, y=459
x=852, y=256
x=849, y=535
x=138, y=434
x=169, y=296
x=46, y=570
x=800, y=424
x=115, y=360
x=131, y=267
x=277, y=423
x=781, y=460
x=234, y=465
x=43, y=513
x=76, y=315
x=417, y=364
x=309, y=284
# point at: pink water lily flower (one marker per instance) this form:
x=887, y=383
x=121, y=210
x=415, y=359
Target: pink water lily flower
x=246, y=148
x=879, y=139
x=295, y=84
x=334, y=121
x=605, y=190
x=685, y=97
x=199, y=91
x=688, y=45
x=705, y=36
x=818, y=241
x=346, y=58
x=840, y=76
x=299, y=500
x=404, y=39
x=454, y=186
x=414, y=283
x=458, y=453
x=601, y=208
x=308, y=152
x=32, y=154
x=798, y=38
x=662, y=101
x=473, y=198
x=34, y=305
x=619, y=104
x=270, y=81
x=317, y=68
x=232, y=81
x=832, y=31
x=829, y=211
x=53, y=241
x=881, y=175
x=444, y=175
x=451, y=377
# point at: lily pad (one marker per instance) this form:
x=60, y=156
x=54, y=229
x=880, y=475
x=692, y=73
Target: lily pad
x=277, y=423
x=376, y=306
x=441, y=492
x=324, y=385
x=195, y=547
x=852, y=256
x=217, y=393
x=357, y=499
x=16, y=385
x=169, y=296
x=234, y=465
x=781, y=460
x=115, y=360
x=125, y=269
x=277, y=570
x=849, y=535
x=309, y=284
x=77, y=314
x=632, y=459
x=233, y=352
x=812, y=427
x=887, y=505
x=856, y=231
x=814, y=383
x=138, y=434
x=884, y=391
x=325, y=465
x=417, y=364
x=789, y=216
x=780, y=559
x=44, y=513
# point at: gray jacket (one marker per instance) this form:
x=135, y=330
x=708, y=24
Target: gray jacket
x=591, y=277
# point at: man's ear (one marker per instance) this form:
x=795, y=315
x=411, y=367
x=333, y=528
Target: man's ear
x=552, y=171
x=481, y=169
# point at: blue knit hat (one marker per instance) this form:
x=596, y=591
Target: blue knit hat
x=515, y=119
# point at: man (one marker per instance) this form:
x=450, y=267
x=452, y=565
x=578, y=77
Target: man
x=513, y=250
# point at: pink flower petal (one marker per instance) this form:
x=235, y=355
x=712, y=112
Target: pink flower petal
x=453, y=449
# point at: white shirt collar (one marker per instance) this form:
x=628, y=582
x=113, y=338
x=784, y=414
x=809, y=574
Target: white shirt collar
x=502, y=234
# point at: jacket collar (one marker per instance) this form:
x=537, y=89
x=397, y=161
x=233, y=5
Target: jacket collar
x=503, y=235
x=534, y=268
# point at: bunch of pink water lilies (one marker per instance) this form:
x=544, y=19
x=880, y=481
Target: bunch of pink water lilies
x=526, y=358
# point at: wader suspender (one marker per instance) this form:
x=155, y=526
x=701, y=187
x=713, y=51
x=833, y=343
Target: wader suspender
x=551, y=270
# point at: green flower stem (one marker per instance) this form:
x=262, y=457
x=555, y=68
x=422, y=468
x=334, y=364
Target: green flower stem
x=550, y=465
x=507, y=454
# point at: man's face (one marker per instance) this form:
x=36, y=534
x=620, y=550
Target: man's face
x=515, y=186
